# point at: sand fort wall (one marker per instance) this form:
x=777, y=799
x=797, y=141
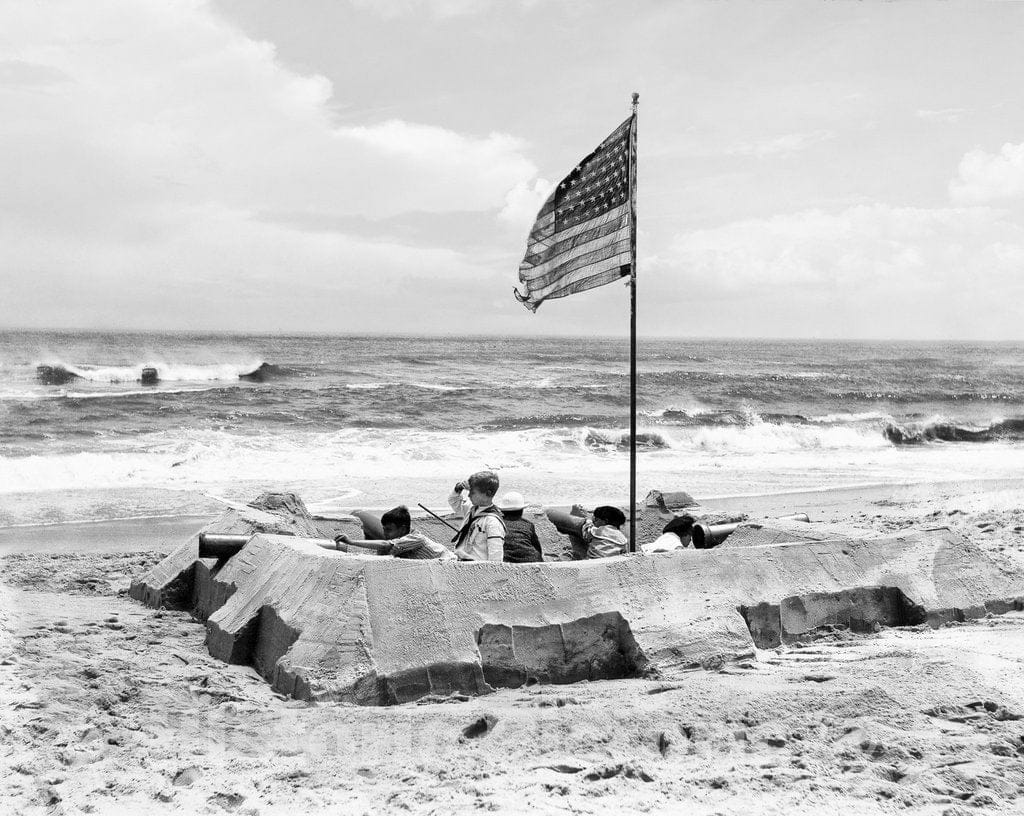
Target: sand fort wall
x=324, y=625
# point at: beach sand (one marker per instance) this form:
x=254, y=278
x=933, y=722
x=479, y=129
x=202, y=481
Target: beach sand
x=111, y=707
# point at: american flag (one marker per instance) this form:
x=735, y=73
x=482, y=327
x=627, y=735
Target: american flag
x=584, y=234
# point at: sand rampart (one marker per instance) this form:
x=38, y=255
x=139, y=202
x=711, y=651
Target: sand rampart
x=323, y=625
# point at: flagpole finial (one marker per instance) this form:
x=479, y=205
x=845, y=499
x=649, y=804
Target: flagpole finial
x=636, y=100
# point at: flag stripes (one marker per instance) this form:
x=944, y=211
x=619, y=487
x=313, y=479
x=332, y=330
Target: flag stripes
x=599, y=252
x=575, y=237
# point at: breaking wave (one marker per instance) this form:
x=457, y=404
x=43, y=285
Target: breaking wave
x=939, y=431
x=187, y=458
x=60, y=373
x=771, y=438
x=614, y=440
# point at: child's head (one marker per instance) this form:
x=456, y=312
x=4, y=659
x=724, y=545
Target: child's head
x=511, y=505
x=606, y=514
x=682, y=526
x=396, y=523
x=482, y=487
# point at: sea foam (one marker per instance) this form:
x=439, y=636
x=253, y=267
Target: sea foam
x=193, y=457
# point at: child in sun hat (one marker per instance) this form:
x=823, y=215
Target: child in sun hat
x=521, y=542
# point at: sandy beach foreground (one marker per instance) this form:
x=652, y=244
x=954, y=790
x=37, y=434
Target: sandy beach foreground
x=110, y=707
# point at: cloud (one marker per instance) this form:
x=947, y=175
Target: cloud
x=390, y=9
x=523, y=202
x=864, y=245
x=438, y=8
x=22, y=74
x=947, y=115
x=983, y=177
x=144, y=142
x=485, y=166
x=788, y=143
x=872, y=270
x=222, y=269
x=168, y=103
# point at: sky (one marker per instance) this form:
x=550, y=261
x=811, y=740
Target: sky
x=820, y=170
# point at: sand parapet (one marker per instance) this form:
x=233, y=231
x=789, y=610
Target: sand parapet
x=323, y=625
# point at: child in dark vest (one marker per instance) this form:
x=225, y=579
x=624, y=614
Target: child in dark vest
x=521, y=542
x=482, y=535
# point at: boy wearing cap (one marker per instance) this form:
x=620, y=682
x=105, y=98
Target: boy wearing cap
x=521, y=543
x=482, y=535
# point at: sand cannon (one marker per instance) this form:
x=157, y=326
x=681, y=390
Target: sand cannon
x=706, y=536
x=221, y=545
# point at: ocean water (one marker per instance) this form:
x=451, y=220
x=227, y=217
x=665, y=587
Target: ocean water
x=350, y=421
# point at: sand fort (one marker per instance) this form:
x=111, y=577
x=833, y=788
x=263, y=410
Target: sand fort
x=323, y=625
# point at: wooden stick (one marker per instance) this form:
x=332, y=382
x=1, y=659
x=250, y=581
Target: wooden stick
x=435, y=515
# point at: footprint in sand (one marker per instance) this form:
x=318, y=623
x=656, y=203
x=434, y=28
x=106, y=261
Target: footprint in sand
x=186, y=776
x=479, y=727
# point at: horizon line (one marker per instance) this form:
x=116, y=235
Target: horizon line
x=501, y=336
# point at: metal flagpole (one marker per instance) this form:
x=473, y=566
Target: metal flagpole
x=632, y=332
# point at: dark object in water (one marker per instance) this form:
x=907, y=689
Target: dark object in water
x=706, y=536
x=601, y=439
x=934, y=432
x=221, y=545
x=54, y=375
x=1012, y=428
x=149, y=376
x=261, y=374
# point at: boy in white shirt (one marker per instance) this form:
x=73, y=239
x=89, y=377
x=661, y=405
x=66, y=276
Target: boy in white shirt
x=677, y=535
x=482, y=535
